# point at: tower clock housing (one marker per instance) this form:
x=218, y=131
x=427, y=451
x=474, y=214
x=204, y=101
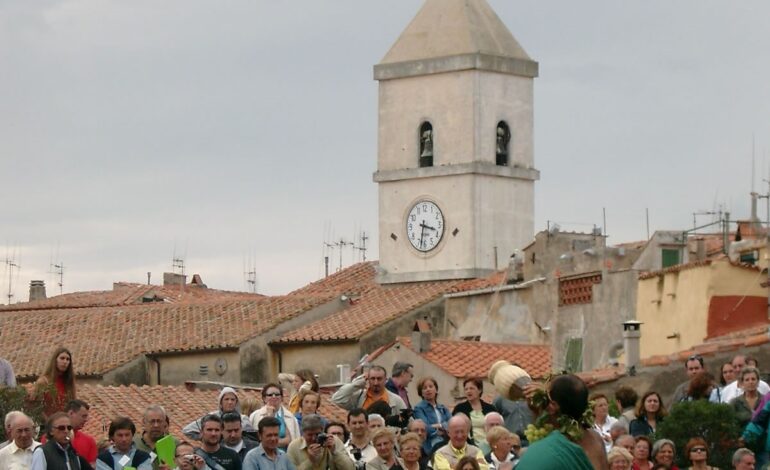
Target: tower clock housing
x=455, y=145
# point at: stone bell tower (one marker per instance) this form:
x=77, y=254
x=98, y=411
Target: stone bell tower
x=455, y=164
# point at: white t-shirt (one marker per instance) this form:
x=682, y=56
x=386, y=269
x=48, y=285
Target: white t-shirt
x=604, y=431
x=731, y=390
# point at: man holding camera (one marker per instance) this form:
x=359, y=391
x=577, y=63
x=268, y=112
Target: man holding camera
x=359, y=447
x=367, y=389
x=317, y=451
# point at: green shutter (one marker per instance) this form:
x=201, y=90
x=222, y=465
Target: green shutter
x=574, y=356
x=670, y=257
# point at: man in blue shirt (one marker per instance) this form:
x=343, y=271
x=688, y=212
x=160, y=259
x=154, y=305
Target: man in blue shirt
x=267, y=456
x=123, y=452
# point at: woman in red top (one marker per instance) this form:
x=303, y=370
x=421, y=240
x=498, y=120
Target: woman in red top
x=61, y=375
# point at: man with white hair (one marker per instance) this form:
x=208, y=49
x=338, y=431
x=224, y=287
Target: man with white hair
x=9, y=417
x=490, y=421
x=446, y=457
x=18, y=454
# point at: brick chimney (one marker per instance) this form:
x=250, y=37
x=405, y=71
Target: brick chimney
x=36, y=290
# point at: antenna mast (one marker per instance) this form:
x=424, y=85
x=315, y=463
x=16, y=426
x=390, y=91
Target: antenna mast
x=11, y=264
x=59, y=272
x=362, y=248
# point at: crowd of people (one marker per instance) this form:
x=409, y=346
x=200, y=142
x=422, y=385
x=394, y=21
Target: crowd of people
x=383, y=430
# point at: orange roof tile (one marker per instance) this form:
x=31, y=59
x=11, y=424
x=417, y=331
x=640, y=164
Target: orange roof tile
x=182, y=405
x=125, y=293
x=174, y=327
x=376, y=306
x=474, y=358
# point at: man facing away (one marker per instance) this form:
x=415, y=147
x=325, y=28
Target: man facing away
x=267, y=456
x=401, y=374
x=367, y=389
x=84, y=444
x=123, y=451
x=18, y=454
x=446, y=457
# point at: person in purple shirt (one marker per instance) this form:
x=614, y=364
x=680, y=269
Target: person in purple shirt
x=401, y=375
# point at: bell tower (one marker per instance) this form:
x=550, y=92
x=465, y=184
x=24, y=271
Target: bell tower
x=455, y=167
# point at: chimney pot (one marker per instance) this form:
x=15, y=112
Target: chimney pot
x=36, y=290
x=421, y=336
x=631, y=336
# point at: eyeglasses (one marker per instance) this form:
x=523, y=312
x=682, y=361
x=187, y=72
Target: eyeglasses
x=63, y=427
x=698, y=449
x=272, y=394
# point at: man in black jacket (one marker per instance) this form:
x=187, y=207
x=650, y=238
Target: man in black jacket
x=57, y=453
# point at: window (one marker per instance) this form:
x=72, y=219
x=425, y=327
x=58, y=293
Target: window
x=426, y=145
x=573, y=360
x=503, y=136
x=669, y=257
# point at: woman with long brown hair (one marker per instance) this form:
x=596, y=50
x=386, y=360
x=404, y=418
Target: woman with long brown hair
x=57, y=383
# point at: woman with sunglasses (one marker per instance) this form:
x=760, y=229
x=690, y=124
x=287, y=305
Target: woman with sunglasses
x=57, y=452
x=697, y=452
x=272, y=396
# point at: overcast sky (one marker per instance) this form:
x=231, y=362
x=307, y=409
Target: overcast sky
x=131, y=130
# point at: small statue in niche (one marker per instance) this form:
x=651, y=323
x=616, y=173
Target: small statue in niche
x=503, y=138
x=426, y=147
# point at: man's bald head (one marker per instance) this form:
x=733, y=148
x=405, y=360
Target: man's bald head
x=459, y=427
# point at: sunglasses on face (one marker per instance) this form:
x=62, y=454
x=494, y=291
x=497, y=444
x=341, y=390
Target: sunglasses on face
x=698, y=449
x=275, y=394
x=63, y=427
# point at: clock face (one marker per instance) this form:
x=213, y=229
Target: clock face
x=425, y=226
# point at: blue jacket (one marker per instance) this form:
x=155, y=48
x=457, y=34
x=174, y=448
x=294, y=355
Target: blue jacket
x=427, y=413
x=757, y=427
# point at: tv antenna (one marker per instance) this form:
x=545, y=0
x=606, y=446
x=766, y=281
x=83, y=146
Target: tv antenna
x=340, y=245
x=57, y=269
x=250, y=275
x=10, y=265
x=362, y=247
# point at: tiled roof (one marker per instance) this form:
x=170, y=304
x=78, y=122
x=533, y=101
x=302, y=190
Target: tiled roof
x=155, y=327
x=695, y=264
x=376, y=306
x=181, y=403
x=124, y=293
x=474, y=358
x=754, y=336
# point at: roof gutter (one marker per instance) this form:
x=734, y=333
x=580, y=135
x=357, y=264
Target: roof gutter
x=492, y=290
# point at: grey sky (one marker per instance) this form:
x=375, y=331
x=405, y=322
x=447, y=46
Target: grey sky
x=223, y=129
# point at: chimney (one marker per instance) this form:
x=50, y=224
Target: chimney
x=421, y=336
x=631, y=335
x=174, y=279
x=700, y=249
x=36, y=290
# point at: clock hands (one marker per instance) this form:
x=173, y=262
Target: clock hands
x=422, y=232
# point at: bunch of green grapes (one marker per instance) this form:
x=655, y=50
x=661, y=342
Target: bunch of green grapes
x=534, y=433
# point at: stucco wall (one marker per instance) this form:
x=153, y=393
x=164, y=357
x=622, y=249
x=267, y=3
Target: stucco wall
x=651, y=258
x=463, y=107
x=495, y=317
x=678, y=303
x=320, y=358
x=177, y=368
x=135, y=372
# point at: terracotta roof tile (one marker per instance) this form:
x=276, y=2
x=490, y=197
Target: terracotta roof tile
x=375, y=306
x=124, y=293
x=598, y=376
x=182, y=405
x=174, y=327
x=474, y=358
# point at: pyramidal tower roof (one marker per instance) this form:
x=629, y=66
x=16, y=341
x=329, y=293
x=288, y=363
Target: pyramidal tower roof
x=445, y=29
